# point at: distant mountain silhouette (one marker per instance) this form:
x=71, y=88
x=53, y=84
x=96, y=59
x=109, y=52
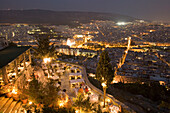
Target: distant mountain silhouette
x=36, y=16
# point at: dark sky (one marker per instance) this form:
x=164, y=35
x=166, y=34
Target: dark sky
x=145, y=9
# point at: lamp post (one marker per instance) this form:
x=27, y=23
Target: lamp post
x=104, y=90
x=47, y=61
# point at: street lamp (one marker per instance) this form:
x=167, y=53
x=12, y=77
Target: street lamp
x=47, y=61
x=104, y=85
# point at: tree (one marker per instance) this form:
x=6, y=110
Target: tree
x=47, y=109
x=83, y=103
x=46, y=94
x=44, y=48
x=51, y=93
x=104, y=71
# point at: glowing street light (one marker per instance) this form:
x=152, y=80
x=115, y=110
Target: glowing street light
x=30, y=102
x=77, y=111
x=104, y=85
x=47, y=61
x=14, y=91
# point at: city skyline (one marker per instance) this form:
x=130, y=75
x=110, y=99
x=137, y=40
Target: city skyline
x=145, y=9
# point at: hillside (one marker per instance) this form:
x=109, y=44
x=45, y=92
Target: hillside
x=54, y=17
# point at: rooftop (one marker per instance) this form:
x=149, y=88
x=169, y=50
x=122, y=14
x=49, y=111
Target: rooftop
x=10, y=53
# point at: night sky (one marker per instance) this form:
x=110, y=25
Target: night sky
x=144, y=9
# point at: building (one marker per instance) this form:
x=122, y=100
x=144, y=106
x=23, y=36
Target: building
x=15, y=63
x=76, y=51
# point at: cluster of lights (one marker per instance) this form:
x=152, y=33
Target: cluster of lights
x=121, y=23
x=61, y=103
x=69, y=43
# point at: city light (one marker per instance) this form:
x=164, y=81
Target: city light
x=135, y=48
x=121, y=23
x=79, y=36
x=30, y=102
x=69, y=43
x=14, y=91
x=104, y=84
x=61, y=104
x=108, y=100
x=46, y=60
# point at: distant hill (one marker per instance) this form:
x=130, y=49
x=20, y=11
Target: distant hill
x=37, y=16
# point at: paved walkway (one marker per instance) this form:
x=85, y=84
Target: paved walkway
x=65, y=84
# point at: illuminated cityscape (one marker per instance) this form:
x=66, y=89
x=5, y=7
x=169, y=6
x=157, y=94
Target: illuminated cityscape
x=78, y=60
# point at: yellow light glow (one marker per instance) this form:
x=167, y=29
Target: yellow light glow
x=30, y=102
x=92, y=75
x=61, y=104
x=46, y=60
x=14, y=91
x=151, y=30
x=102, y=103
x=108, y=100
x=104, y=84
x=66, y=99
x=29, y=80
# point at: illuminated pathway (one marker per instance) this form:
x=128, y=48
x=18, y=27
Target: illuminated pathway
x=122, y=60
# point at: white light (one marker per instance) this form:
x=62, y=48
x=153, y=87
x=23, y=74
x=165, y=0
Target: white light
x=92, y=75
x=104, y=84
x=79, y=36
x=30, y=102
x=46, y=60
x=69, y=43
x=121, y=23
x=14, y=91
x=108, y=100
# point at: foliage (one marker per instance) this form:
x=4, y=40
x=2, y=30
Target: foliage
x=35, y=91
x=125, y=111
x=83, y=103
x=153, y=91
x=23, y=96
x=98, y=110
x=164, y=105
x=28, y=107
x=50, y=96
x=104, y=71
x=40, y=93
x=44, y=48
x=47, y=109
